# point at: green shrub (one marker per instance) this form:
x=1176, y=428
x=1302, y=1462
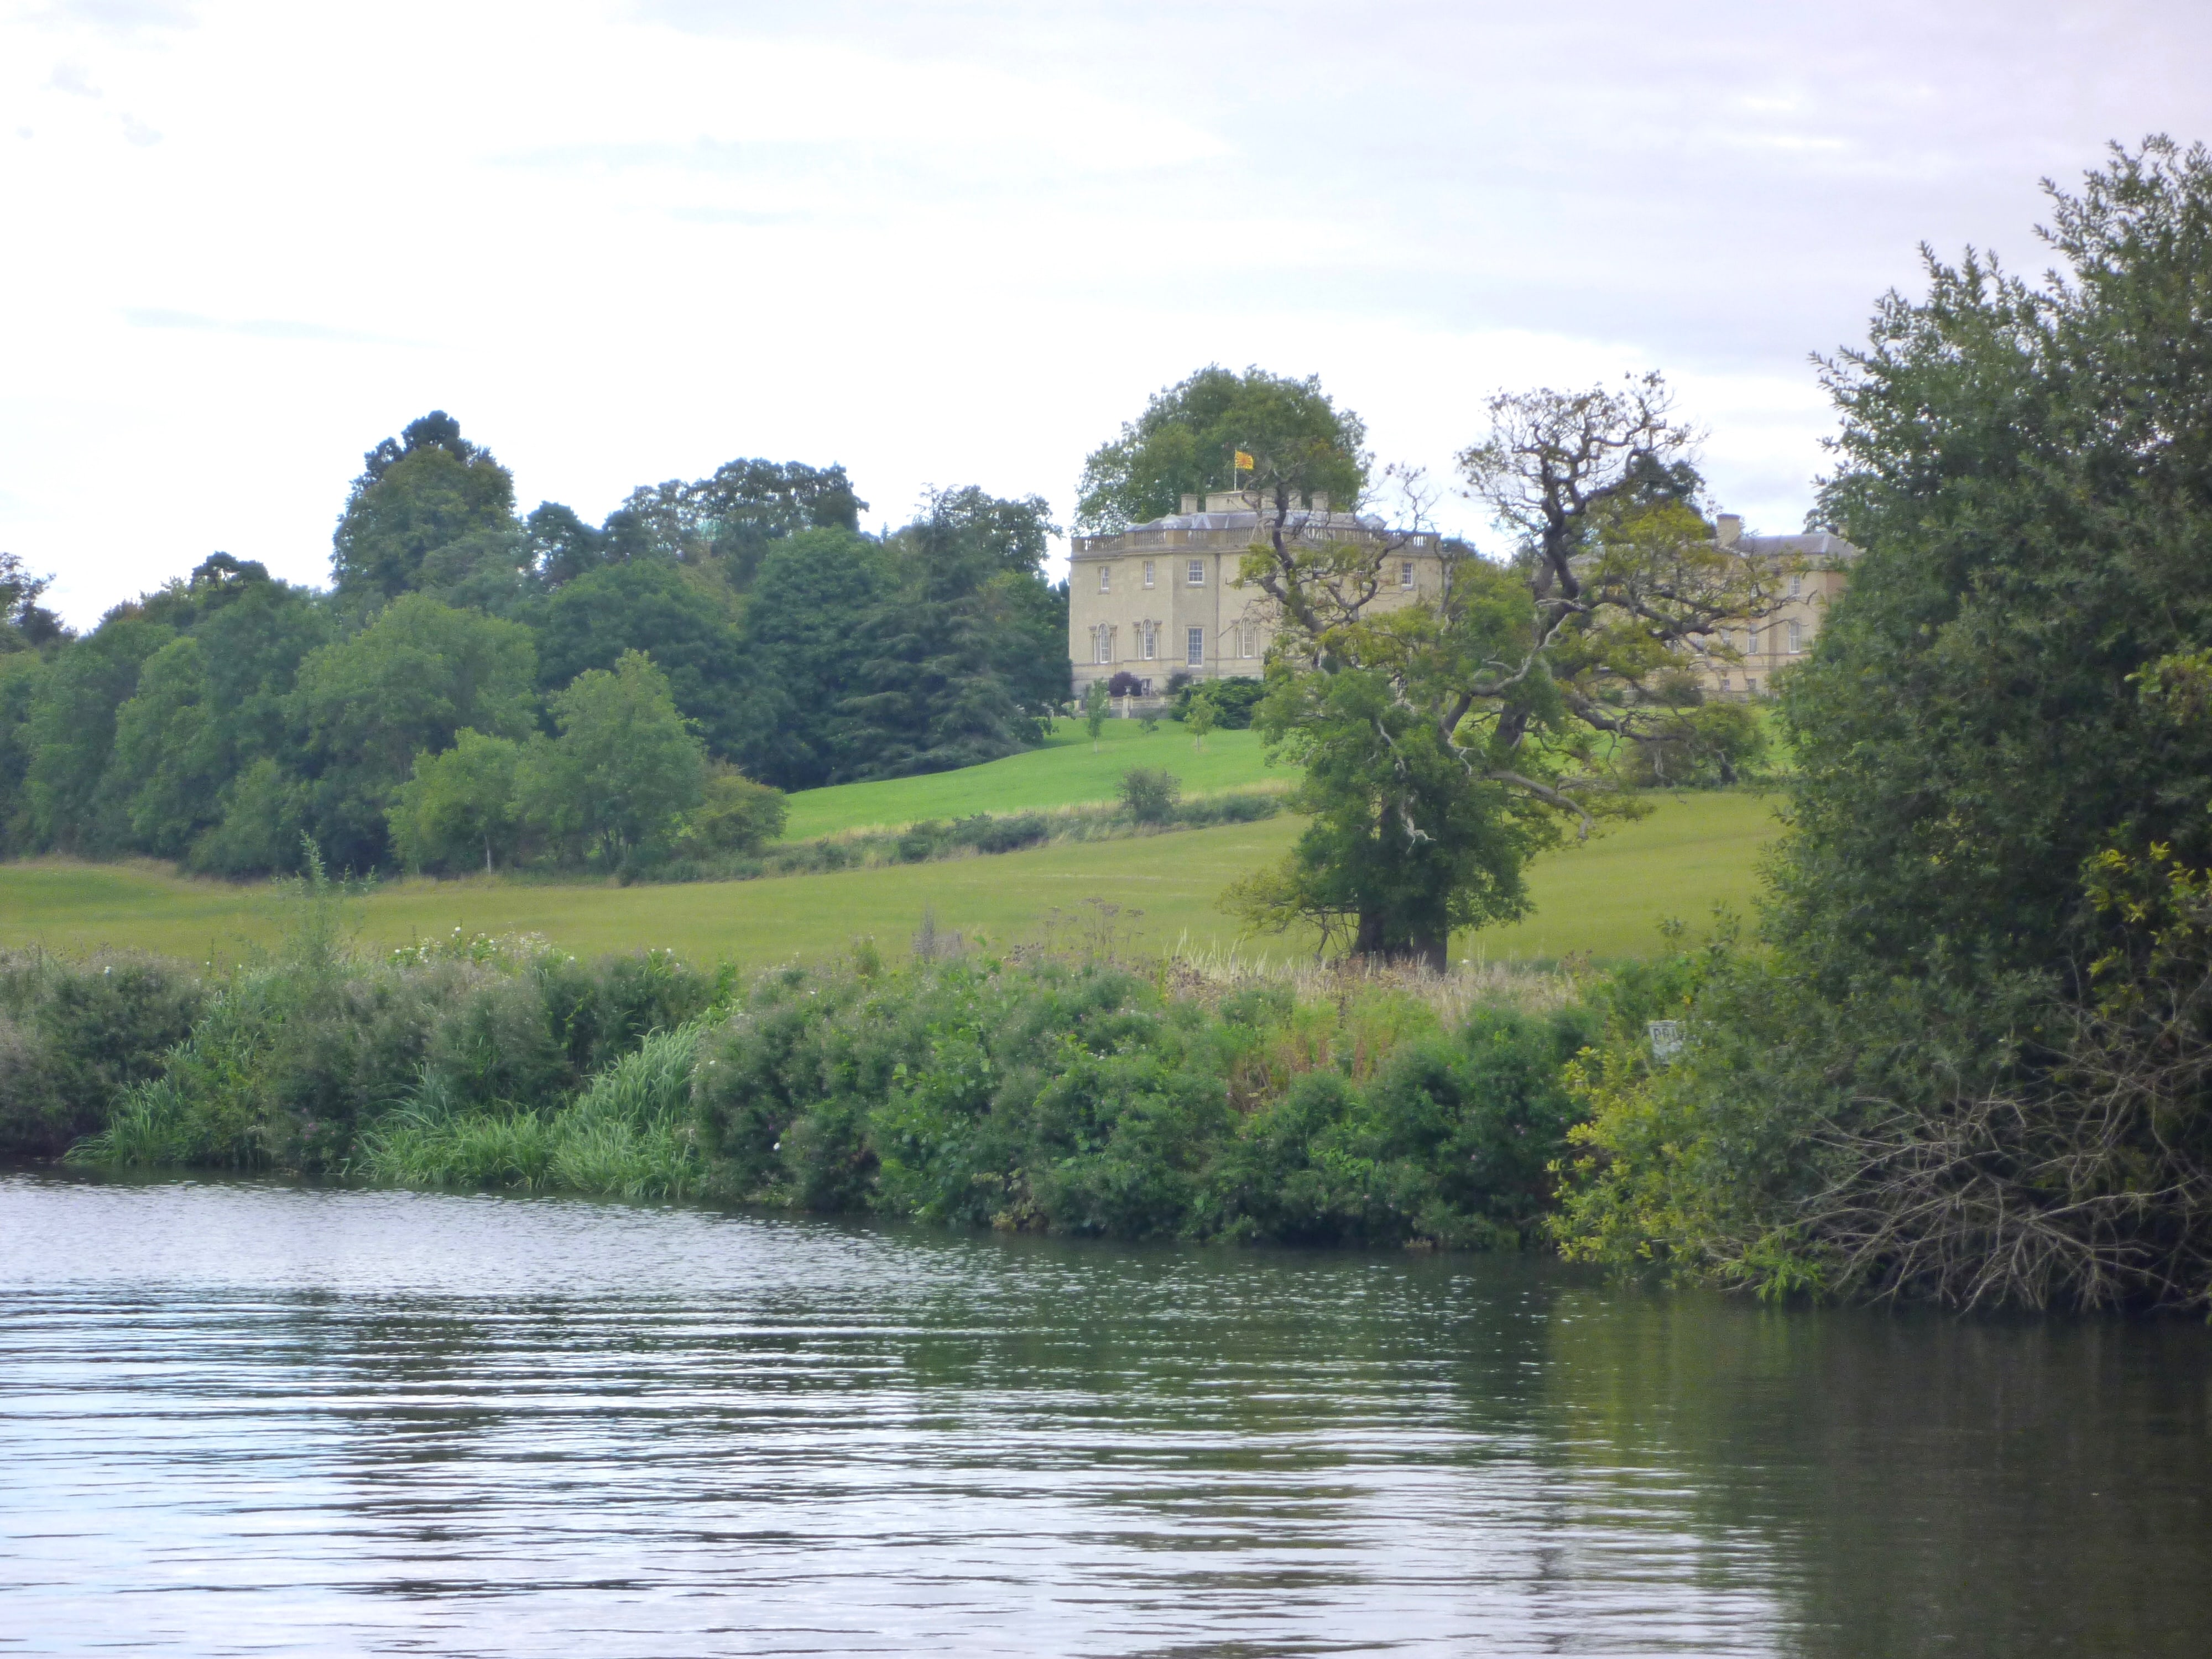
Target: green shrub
x=1077, y=1097
x=737, y=816
x=1233, y=700
x=74, y=1036
x=1150, y=793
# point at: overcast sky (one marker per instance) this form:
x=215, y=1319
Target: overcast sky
x=961, y=242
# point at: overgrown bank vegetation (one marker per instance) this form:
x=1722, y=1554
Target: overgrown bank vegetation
x=1069, y=1092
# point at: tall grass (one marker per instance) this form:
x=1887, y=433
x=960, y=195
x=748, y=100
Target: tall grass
x=625, y=1134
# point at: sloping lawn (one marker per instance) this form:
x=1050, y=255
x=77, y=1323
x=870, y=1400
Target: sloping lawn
x=1605, y=899
x=1062, y=772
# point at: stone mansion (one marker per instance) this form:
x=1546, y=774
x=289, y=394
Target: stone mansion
x=1164, y=598
x=1824, y=561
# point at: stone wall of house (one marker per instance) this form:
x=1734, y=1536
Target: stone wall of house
x=1812, y=571
x=1164, y=598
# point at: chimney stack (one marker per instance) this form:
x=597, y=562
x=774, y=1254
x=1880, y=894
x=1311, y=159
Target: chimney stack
x=1189, y=505
x=1320, y=499
x=1728, y=527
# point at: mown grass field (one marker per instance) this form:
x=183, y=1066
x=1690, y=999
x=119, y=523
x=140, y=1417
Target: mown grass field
x=1605, y=899
x=1060, y=772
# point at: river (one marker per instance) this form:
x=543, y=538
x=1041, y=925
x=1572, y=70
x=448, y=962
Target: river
x=244, y=1417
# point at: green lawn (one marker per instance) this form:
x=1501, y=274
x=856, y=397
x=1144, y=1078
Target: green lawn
x=1606, y=899
x=1061, y=772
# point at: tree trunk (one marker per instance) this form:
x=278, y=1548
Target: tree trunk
x=1425, y=945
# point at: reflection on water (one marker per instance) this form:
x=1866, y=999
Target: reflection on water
x=256, y=1419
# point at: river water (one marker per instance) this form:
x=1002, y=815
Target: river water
x=242, y=1418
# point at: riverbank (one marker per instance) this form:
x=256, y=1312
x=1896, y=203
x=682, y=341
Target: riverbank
x=1081, y=1092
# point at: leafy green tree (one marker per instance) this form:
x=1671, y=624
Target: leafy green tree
x=730, y=519
x=988, y=552
x=685, y=619
x=1098, y=704
x=1188, y=438
x=1425, y=772
x=70, y=732
x=939, y=658
x=252, y=642
x=1197, y=719
x=749, y=504
x=1150, y=793
x=24, y=622
x=427, y=491
x=558, y=545
x=1975, y=1063
x=167, y=762
x=407, y=683
x=264, y=826
x=1708, y=745
x=1417, y=826
x=459, y=805
x=2029, y=469
x=22, y=674
x=735, y=814
x=798, y=646
x=623, y=770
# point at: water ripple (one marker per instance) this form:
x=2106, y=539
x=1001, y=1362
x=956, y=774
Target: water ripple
x=250, y=1419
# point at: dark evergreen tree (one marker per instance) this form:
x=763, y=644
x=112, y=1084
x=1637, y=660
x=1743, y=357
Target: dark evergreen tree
x=684, y=620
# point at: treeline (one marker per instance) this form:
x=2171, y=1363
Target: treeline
x=479, y=686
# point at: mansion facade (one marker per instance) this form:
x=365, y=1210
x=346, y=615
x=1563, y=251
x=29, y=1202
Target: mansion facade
x=1165, y=598
x=1818, y=567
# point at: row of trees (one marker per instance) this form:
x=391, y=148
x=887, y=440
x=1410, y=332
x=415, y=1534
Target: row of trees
x=220, y=718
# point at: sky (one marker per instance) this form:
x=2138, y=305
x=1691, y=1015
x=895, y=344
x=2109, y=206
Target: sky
x=961, y=241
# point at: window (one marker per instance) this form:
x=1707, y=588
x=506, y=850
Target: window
x=1751, y=682
x=1196, y=575
x=1406, y=573
x=1148, y=640
x=1247, y=640
x=1796, y=586
x=1724, y=680
x=1148, y=573
x=1105, y=579
x=1796, y=638
x=1101, y=644
x=1752, y=636
x=1197, y=658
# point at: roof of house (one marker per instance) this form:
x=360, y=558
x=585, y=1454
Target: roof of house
x=1817, y=544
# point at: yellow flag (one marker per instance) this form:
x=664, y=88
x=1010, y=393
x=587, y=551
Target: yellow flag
x=1245, y=461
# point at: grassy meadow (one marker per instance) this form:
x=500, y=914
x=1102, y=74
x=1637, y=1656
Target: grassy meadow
x=1605, y=899
x=1062, y=771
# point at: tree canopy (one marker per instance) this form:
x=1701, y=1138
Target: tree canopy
x=1446, y=739
x=1189, y=436
x=2029, y=467
x=1975, y=1062
x=420, y=495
